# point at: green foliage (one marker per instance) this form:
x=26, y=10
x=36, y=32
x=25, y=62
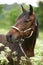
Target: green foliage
x=39, y=13
x=9, y=14
x=1, y=8
x=13, y=14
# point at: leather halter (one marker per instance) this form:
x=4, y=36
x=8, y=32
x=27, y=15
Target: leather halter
x=23, y=31
x=20, y=44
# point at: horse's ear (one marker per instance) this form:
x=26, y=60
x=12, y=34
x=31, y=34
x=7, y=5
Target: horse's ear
x=31, y=9
x=23, y=9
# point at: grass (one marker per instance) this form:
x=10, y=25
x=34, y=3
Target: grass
x=38, y=58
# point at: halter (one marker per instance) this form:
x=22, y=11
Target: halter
x=23, y=31
x=20, y=44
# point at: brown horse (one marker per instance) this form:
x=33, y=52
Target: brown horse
x=22, y=36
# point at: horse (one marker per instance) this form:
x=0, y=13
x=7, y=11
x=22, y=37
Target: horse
x=22, y=36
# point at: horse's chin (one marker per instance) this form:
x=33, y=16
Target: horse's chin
x=9, y=40
x=13, y=41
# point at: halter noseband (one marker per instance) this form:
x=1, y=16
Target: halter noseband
x=23, y=31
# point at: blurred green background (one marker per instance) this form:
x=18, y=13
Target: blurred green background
x=8, y=16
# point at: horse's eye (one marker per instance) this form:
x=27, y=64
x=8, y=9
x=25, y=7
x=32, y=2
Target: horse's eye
x=28, y=20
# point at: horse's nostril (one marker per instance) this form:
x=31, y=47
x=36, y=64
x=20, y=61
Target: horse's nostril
x=10, y=36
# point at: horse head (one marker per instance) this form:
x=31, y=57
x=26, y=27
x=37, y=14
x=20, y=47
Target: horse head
x=24, y=22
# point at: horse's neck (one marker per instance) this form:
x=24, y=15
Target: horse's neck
x=29, y=45
x=2, y=38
